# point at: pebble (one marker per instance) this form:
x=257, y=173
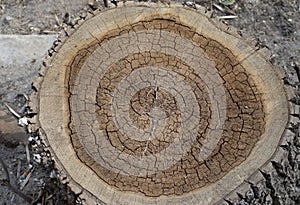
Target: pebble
x=9, y=18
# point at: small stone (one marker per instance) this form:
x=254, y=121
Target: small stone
x=9, y=18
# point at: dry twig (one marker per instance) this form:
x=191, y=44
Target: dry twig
x=10, y=186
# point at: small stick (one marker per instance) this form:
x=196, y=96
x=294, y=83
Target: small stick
x=218, y=7
x=57, y=20
x=49, y=32
x=23, y=184
x=44, y=201
x=12, y=111
x=8, y=184
x=49, y=197
x=26, y=96
x=5, y=170
x=12, y=198
x=27, y=153
x=19, y=168
x=38, y=197
x=227, y=17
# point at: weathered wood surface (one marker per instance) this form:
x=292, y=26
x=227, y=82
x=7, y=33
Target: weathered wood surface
x=151, y=104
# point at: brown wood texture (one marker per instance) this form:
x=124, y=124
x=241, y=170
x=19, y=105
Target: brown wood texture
x=156, y=104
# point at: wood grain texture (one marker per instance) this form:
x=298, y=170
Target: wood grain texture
x=206, y=83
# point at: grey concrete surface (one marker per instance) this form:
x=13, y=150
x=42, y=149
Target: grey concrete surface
x=20, y=59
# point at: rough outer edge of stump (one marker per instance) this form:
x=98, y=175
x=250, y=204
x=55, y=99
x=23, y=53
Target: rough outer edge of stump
x=52, y=104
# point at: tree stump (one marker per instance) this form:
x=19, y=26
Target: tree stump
x=155, y=104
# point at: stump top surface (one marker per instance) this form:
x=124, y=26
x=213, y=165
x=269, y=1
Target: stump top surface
x=148, y=104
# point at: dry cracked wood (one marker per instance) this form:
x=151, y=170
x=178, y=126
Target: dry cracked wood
x=159, y=105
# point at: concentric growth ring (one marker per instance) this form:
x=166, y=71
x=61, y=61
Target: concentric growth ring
x=158, y=105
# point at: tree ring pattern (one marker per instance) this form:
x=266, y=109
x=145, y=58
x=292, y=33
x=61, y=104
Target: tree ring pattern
x=167, y=46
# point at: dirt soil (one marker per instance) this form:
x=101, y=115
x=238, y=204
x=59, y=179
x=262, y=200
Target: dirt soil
x=271, y=24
